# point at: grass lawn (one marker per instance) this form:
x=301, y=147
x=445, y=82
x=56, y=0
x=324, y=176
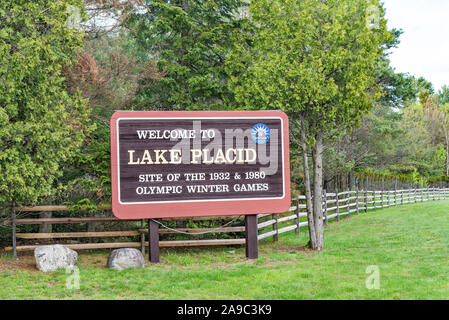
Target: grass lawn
x=408, y=244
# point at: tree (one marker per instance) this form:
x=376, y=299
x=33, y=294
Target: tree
x=42, y=126
x=107, y=17
x=416, y=146
x=372, y=145
x=437, y=123
x=187, y=42
x=425, y=89
x=398, y=88
x=443, y=95
x=315, y=60
x=444, y=120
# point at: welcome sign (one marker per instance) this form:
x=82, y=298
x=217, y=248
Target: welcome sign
x=181, y=164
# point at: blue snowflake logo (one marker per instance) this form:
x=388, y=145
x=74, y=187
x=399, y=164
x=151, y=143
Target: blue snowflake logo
x=260, y=133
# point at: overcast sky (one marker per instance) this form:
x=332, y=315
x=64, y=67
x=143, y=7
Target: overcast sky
x=424, y=47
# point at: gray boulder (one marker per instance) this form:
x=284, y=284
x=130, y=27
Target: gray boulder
x=125, y=258
x=54, y=257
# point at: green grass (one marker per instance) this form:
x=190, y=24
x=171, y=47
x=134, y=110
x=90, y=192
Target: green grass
x=409, y=244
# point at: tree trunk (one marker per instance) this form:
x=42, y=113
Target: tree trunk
x=46, y=227
x=309, y=205
x=447, y=156
x=318, y=191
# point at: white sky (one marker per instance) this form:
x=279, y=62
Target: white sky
x=424, y=47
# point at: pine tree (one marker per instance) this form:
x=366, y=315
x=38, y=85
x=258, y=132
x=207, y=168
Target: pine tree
x=187, y=41
x=42, y=126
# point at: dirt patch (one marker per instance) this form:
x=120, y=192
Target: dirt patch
x=87, y=259
x=23, y=263
x=27, y=262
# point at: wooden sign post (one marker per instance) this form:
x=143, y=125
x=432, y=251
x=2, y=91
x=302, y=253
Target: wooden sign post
x=203, y=163
x=153, y=239
x=252, y=250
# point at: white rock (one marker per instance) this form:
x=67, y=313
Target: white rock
x=54, y=257
x=125, y=258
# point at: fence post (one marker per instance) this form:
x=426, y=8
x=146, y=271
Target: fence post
x=402, y=197
x=382, y=198
x=434, y=194
x=142, y=237
x=415, y=196
x=325, y=207
x=357, y=200
x=375, y=199
x=366, y=201
x=422, y=195
x=348, y=203
x=338, y=208
x=297, y=217
x=395, y=197
x=153, y=241
x=275, y=227
x=388, y=198
x=251, y=241
x=14, y=241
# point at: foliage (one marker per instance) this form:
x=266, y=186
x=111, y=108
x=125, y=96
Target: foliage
x=168, y=55
x=315, y=61
x=425, y=89
x=42, y=126
x=186, y=41
x=443, y=95
x=308, y=57
x=412, y=139
x=107, y=73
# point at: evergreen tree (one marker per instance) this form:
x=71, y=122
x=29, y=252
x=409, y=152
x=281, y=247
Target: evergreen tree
x=315, y=60
x=42, y=126
x=187, y=42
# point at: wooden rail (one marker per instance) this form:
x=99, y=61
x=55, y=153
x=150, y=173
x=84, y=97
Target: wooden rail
x=110, y=234
x=340, y=204
x=98, y=219
x=335, y=205
x=114, y=245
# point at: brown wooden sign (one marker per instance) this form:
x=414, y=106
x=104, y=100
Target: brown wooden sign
x=180, y=164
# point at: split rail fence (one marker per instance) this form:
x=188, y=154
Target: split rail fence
x=335, y=206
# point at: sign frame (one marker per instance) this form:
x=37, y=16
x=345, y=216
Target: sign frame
x=194, y=208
